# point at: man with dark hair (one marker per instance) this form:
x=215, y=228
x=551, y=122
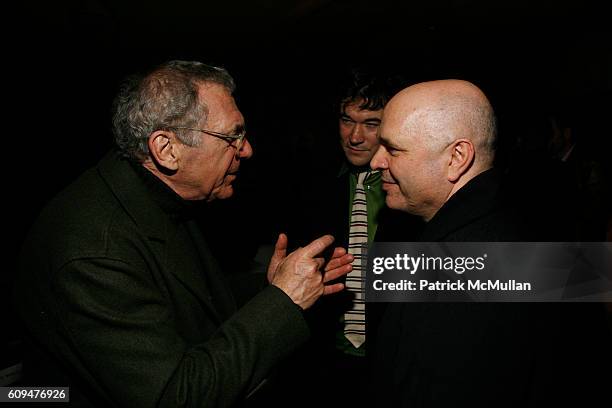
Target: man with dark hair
x=353, y=215
x=361, y=107
x=360, y=110
x=120, y=297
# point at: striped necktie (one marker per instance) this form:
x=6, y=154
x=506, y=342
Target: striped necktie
x=354, y=318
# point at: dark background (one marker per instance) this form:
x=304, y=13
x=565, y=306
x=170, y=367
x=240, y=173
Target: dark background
x=66, y=59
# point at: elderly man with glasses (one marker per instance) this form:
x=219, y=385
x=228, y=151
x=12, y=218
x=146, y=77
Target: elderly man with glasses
x=120, y=297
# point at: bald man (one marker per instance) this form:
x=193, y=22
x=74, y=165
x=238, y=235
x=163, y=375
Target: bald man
x=435, y=138
x=436, y=157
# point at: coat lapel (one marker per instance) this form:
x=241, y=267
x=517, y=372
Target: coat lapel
x=170, y=242
x=182, y=259
x=220, y=293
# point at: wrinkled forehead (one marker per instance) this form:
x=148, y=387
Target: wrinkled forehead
x=220, y=103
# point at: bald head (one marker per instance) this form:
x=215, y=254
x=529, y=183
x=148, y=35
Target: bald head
x=434, y=138
x=440, y=112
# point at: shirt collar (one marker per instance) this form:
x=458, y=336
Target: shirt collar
x=347, y=167
x=168, y=200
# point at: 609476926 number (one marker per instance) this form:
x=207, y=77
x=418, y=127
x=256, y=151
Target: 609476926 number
x=34, y=394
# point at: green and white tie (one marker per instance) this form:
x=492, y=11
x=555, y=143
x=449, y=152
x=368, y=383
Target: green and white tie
x=354, y=318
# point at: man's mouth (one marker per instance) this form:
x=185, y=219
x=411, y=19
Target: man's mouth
x=230, y=177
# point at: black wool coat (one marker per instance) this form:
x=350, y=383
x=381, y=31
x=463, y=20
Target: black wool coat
x=122, y=301
x=487, y=354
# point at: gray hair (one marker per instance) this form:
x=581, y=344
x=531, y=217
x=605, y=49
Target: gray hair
x=165, y=98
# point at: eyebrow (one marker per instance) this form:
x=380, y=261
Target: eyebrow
x=373, y=121
x=237, y=129
x=387, y=143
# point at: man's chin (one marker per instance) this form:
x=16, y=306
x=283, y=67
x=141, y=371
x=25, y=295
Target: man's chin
x=357, y=161
x=394, y=203
x=391, y=203
x=222, y=193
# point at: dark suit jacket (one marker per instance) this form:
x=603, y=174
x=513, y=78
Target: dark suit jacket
x=486, y=354
x=122, y=301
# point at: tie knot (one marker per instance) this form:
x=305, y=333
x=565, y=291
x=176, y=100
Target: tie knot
x=361, y=177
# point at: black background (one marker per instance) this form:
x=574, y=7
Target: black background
x=66, y=59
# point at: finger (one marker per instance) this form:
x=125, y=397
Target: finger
x=338, y=262
x=337, y=272
x=338, y=252
x=317, y=246
x=335, y=288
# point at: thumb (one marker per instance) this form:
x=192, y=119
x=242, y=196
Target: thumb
x=280, y=249
x=280, y=252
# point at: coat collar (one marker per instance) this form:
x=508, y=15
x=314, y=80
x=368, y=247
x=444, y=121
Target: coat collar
x=133, y=195
x=479, y=197
x=157, y=214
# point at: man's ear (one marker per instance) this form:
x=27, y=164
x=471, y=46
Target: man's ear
x=461, y=158
x=165, y=150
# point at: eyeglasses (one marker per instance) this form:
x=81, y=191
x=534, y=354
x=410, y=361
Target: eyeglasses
x=228, y=138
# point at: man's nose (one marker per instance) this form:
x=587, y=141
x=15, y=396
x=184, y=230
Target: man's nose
x=356, y=136
x=246, y=150
x=379, y=160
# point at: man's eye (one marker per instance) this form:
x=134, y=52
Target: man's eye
x=346, y=121
x=371, y=125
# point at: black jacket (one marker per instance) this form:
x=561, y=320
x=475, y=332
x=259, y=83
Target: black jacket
x=485, y=354
x=122, y=301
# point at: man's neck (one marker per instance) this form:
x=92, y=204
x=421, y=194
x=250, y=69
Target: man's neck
x=166, y=179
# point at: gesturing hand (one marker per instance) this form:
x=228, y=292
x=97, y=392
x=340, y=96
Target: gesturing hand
x=299, y=274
